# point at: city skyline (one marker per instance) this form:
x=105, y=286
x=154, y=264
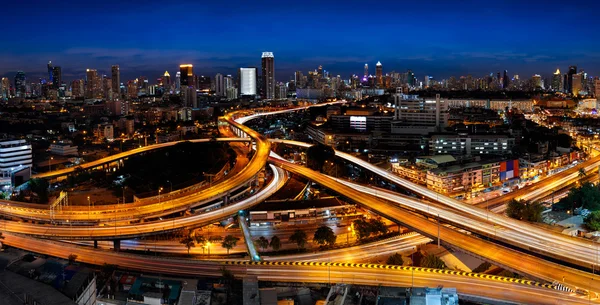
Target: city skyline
x=490, y=38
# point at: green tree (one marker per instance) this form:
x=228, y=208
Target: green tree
x=395, y=259
x=324, y=236
x=378, y=226
x=72, y=258
x=188, y=242
x=200, y=240
x=362, y=228
x=262, y=242
x=514, y=209
x=275, y=243
x=592, y=221
x=300, y=238
x=229, y=242
x=581, y=173
x=524, y=210
x=432, y=261
x=215, y=239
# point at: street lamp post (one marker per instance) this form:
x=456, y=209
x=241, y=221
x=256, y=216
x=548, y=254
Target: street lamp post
x=159, y=191
x=89, y=205
x=50, y=163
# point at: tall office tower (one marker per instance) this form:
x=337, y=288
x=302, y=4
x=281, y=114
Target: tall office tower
x=20, y=80
x=366, y=70
x=77, y=88
x=50, y=80
x=92, y=83
x=167, y=80
x=379, y=74
x=576, y=84
x=505, y=80
x=187, y=75
x=116, y=81
x=247, y=81
x=320, y=71
x=219, y=84
x=556, y=81
x=56, y=77
x=268, y=75
x=189, y=96
x=597, y=88
x=569, y=83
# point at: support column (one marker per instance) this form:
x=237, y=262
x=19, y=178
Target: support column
x=117, y=245
x=95, y=244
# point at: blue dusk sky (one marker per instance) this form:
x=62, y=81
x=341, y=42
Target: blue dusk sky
x=438, y=38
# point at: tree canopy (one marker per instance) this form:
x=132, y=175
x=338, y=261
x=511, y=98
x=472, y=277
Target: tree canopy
x=592, y=221
x=586, y=196
x=395, y=259
x=432, y=261
x=299, y=237
x=524, y=210
x=324, y=236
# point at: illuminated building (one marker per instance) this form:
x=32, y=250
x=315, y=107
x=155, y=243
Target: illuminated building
x=366, y=70
x=379, y=74
x=247, y=80
x=20, y=88
x=556, y=81
x=219, y=85
x=92, y=89
x=116, y=81
x=187, y=75
x=268, y=75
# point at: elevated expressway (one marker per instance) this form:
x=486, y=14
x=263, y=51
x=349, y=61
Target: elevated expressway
x=528, y=236
x=508, y=258
x=473, y=286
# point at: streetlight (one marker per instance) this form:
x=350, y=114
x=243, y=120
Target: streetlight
x=50, y=163
x=348, y=235
x=89, y=205
x=171, y=183
x=160, y=190
x=208, y=247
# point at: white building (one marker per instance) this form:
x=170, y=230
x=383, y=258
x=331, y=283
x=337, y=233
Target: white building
x=15, y=162
x=63, y=149
x=104, y=131
x=463, y=144
x=414, y=115
x=247, y=81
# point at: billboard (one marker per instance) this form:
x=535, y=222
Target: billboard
x=509, y=170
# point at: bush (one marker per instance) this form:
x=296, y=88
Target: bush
x=395, y=259
x=592, y=221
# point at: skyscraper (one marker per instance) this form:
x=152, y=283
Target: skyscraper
x=5, y=88
x=116, y=81
x=572, y=71
x=556, y=81
x=379, y=74
x=247, y=81
x=268, y=75
x=166, y=80
x=505, y=80
x=77, y=88
x=56, y=77
x=92, y=84
x=219, y=85
x=575, y=83
x=20, y=84
x=178, y=82
x=187, y=74
x=366, y=70
x=50, y=72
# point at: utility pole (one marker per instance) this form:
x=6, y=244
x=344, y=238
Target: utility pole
x=438, y=239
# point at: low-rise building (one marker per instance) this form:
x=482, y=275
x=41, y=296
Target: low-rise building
x=273, y=212
x=15, y=162
x=63, y=149
x=473, y=145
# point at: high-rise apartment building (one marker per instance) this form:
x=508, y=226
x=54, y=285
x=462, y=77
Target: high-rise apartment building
x=268, y=75
x=178, y=82
x=413, y=114
x=107, y=91
x=20, y=87
x=228, y=82
x=366, y=70
x=379, y=74
x=187, y=74
x=576, y=84
x=536, y=82
x=132, y=88
x=4, y=88
x=557, y=81
x=116, y=81
x=78, y=88
x=219, y=84
x=93, y=84
x=247, y=81
x=166, y=80
x=597, y=88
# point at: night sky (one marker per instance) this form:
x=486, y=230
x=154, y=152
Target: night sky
x=439, y=38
